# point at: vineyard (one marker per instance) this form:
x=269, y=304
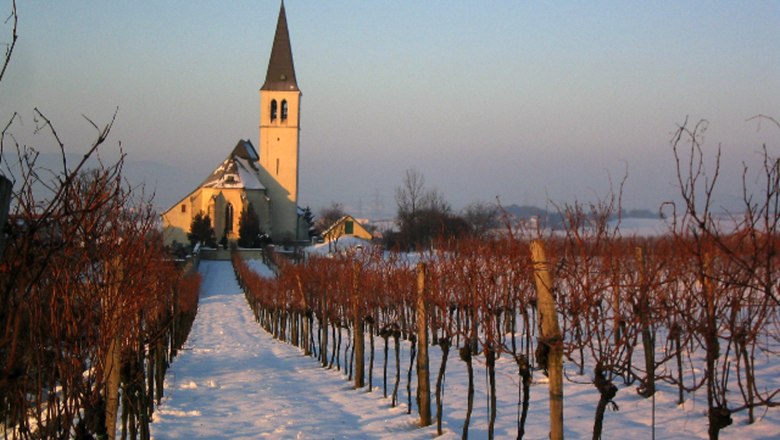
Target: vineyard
x=94, y=311
x=694, y=313
x=93, y=308
x=694, y=310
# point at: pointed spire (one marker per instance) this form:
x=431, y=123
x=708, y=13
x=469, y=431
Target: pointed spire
x=281, y=73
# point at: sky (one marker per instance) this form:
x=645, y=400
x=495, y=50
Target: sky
x=530, y=102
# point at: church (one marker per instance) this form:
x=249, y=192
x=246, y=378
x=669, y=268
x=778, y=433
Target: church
x=264, y=179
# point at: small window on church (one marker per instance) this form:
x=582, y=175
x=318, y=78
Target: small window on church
x=183, y=208
x=273, y=109
x=349, y=227
x=284, y=109
x=277, y=166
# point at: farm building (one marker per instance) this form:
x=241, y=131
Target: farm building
x=346, y=226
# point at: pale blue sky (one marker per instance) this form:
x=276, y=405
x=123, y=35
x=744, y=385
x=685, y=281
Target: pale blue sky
x=523, y=100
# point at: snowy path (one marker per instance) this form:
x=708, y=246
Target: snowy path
x=233, y=380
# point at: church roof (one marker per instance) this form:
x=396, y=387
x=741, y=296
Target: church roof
x=238, y=170
x=281, y=73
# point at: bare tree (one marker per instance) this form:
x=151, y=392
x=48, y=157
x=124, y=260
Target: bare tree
x=481, y=217
x=329, y=215
x=423, y=214
x=410, y=195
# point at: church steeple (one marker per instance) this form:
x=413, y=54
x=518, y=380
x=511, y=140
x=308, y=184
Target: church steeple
x=281, y=73
x=280, y=115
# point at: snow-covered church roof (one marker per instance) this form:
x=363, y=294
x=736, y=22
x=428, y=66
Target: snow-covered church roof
x=239, y=170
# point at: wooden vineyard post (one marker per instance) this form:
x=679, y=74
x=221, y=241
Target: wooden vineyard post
x=358, y=325
x=645, y=319
x=551, y=336
x=112, y=379
x=305, y=339
x=323, y=330
x=111, y=376
x=423, y=374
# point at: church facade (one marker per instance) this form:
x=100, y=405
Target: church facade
x=263, y=179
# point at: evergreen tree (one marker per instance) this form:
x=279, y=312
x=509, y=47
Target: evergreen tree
x=308, y=216
x=249, y=232
x=201, y=231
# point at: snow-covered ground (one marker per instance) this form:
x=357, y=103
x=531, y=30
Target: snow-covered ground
x=341, y=245
x=233, y=380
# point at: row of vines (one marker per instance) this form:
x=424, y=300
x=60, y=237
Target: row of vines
x=92, y=308
x=637, y=311
x=695, y=309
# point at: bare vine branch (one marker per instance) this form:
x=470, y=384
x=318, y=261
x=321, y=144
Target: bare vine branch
x=14, y=36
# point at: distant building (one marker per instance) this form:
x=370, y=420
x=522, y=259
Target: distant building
x=265, y=179
x=346, y=226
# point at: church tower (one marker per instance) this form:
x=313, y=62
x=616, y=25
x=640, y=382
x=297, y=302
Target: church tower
x=280, y=101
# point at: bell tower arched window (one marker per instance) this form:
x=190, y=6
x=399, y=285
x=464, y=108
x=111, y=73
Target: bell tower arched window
x=284, y=109
x=273, y=110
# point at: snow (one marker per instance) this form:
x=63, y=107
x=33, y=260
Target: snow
x=233, y=380
x=343, y=244
x=260, y=268
x=247, y=175
x=642, y=227
x=656, y=227
x=234, y=172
